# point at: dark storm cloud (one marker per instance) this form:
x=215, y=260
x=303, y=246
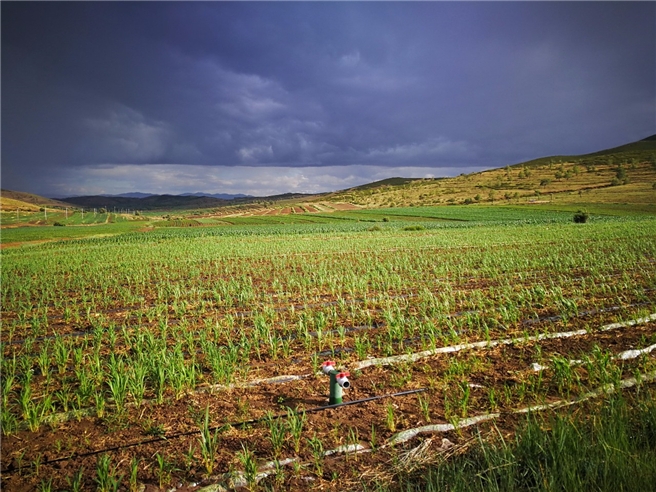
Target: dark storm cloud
x=184, y=91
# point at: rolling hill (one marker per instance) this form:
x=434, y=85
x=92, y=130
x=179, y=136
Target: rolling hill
x=594, y=177
x=18, y=200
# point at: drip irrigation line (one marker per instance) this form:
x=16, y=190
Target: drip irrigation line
x=243, y=423
x=245, y=314
x=380, y=325
x=447, y=349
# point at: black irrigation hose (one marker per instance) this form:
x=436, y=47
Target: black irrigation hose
x=244, y=314
x=377, y=325
x=244, y=423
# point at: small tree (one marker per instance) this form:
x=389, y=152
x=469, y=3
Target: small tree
x=621, y=173
x=581, y=217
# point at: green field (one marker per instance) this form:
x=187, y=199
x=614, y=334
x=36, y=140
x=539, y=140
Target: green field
x=386, y=218
x=133, y=352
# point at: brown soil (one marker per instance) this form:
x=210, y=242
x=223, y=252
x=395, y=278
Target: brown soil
x=504, y=369
x=344, y=206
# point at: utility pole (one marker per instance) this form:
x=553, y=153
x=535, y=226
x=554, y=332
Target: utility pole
x=66, y=213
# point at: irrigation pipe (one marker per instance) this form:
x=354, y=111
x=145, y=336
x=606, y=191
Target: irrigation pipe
x=626, y=355
x=606, y=389
x=383, y=361
x=525, y=322
x=244, y=314
x=215, y=428
x=237, y=479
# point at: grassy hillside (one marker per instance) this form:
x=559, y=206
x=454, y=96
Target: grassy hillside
x=11, y=200
x=624, y=175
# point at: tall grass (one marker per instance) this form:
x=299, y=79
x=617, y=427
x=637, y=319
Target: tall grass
x=613, y=449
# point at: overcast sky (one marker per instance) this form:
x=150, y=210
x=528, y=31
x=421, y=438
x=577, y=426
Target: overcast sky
x=265, y=98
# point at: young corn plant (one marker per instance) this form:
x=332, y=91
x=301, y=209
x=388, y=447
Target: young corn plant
x=99, y=403
x=106, y=477
x=36, y=411
x=492, y=399
x=8, y=421
x=373, y=439
x=137, y=382
x=64, y=395
x=316, y=448
x=424, y=405
x=563, y=374
x=43, y=361
x=62, y=351
x=353, y=437
x=159, y=377
x=247, y=460
x=390, y=419
x=222, y=362
x=209, y=443
x=118, y=387
x=134, y=472
x=362, y=346
x=76, y=482
x=277, y=433
x=164, y=469
x=45, y=486
x=465, y=393
x=601, y=369
x=295, y=422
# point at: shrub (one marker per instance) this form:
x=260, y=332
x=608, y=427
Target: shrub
x=581, y=217
x=58, y=224
x=414, y=228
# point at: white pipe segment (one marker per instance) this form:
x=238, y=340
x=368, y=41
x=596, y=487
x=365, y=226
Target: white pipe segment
x=386, y=361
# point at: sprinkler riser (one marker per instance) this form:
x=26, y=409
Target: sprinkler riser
x=338, y=380
x=335, y=389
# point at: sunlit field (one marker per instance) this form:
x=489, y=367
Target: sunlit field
x=184, y=354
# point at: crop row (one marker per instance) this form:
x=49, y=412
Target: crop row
x=460, y=386
x=178, y=309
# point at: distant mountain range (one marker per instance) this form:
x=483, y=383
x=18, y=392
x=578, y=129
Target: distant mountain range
x=147, y=201
x=136, y=194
